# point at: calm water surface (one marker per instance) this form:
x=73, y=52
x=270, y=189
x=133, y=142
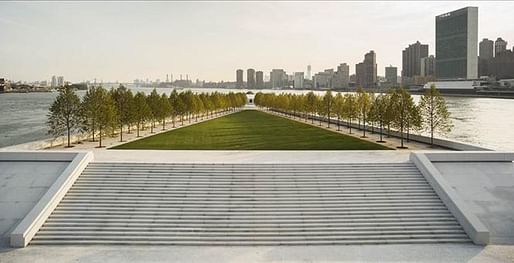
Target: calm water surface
x=480, y=121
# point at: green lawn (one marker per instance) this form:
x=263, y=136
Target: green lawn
x=251, y=130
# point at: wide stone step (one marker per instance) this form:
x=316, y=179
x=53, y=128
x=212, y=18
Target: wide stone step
x=249, y=234
x=408, y=222
x=425, y=240
x=217, y=229
x=249, y=209
x=254, y=238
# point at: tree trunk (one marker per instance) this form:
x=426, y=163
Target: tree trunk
x=381, y=131
x=93, y=126
x=100, y=136
x=137, y=128
x=68, y=127
x=121, y=133
x=364, y=127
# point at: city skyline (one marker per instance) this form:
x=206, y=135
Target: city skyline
x=36, y=44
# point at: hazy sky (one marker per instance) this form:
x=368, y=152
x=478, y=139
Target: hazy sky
x=210, y=40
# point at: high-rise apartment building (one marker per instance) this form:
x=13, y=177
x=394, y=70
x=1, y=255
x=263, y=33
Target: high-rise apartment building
x=323, y=80
x=485, y=50
x=60, y=81
x=366, y=71
x=53, y=83
x=239, y=79
x=456, y=41
x=259, y=80
x=411, y=59
x=341, y=76
x=298, y=80
x=500, y=46
x=309, y=72
x=391, y=75
x=250, y=78
x=485, y=54
x=278, y=78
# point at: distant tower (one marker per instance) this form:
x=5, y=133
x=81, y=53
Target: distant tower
x=167, y=79
x=250, y=78
x=239, y=78
x=499, y=46
x=308, y=71
x=171, y=77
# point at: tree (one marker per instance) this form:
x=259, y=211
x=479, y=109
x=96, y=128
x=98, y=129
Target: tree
x=164, y=110
x=130, y=109
x=339, y=108
x=363, y=104
x=153, y=101
x=90, y=108
x=328, y=101
x=141, y=110
x=122, y=102
x=320, y=108
x=413, y=120
x=106, y=113
x=434, y=113
x=64, y=114
x=350, y=109
x=173, y=99
x=311, y=106
x=379, y=111
x=402, y=104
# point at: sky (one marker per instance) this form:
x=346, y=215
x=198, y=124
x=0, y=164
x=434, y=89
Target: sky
x=123, y=41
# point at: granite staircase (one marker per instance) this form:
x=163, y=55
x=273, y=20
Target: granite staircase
x=250, y=204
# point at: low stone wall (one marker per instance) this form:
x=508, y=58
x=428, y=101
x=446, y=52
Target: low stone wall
x=443, y=143
x=35, y=218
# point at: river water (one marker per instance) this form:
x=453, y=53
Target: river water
x=485, y=122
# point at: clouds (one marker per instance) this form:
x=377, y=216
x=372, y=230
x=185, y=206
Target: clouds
x=209, y=40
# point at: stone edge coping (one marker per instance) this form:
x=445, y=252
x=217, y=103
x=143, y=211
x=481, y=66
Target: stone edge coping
x=36, y=217
x=471, y=156
x=471, y=224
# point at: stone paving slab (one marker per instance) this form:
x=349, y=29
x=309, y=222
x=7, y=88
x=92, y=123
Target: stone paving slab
x=362, y=253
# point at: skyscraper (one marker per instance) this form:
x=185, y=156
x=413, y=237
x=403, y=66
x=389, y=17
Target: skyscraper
x=309, y=72
x=411, y=60
x=366, y=71
x=250, y=78
x=391, y=74
x=485, y=54
x=456, y=41
x=500, y=46
x=239, y=78
x=259, y=80
x=298, y=80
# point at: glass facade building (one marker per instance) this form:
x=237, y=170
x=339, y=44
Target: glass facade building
x=456, y=44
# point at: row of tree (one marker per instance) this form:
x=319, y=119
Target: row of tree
x=394, y=109
x=102, y=112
